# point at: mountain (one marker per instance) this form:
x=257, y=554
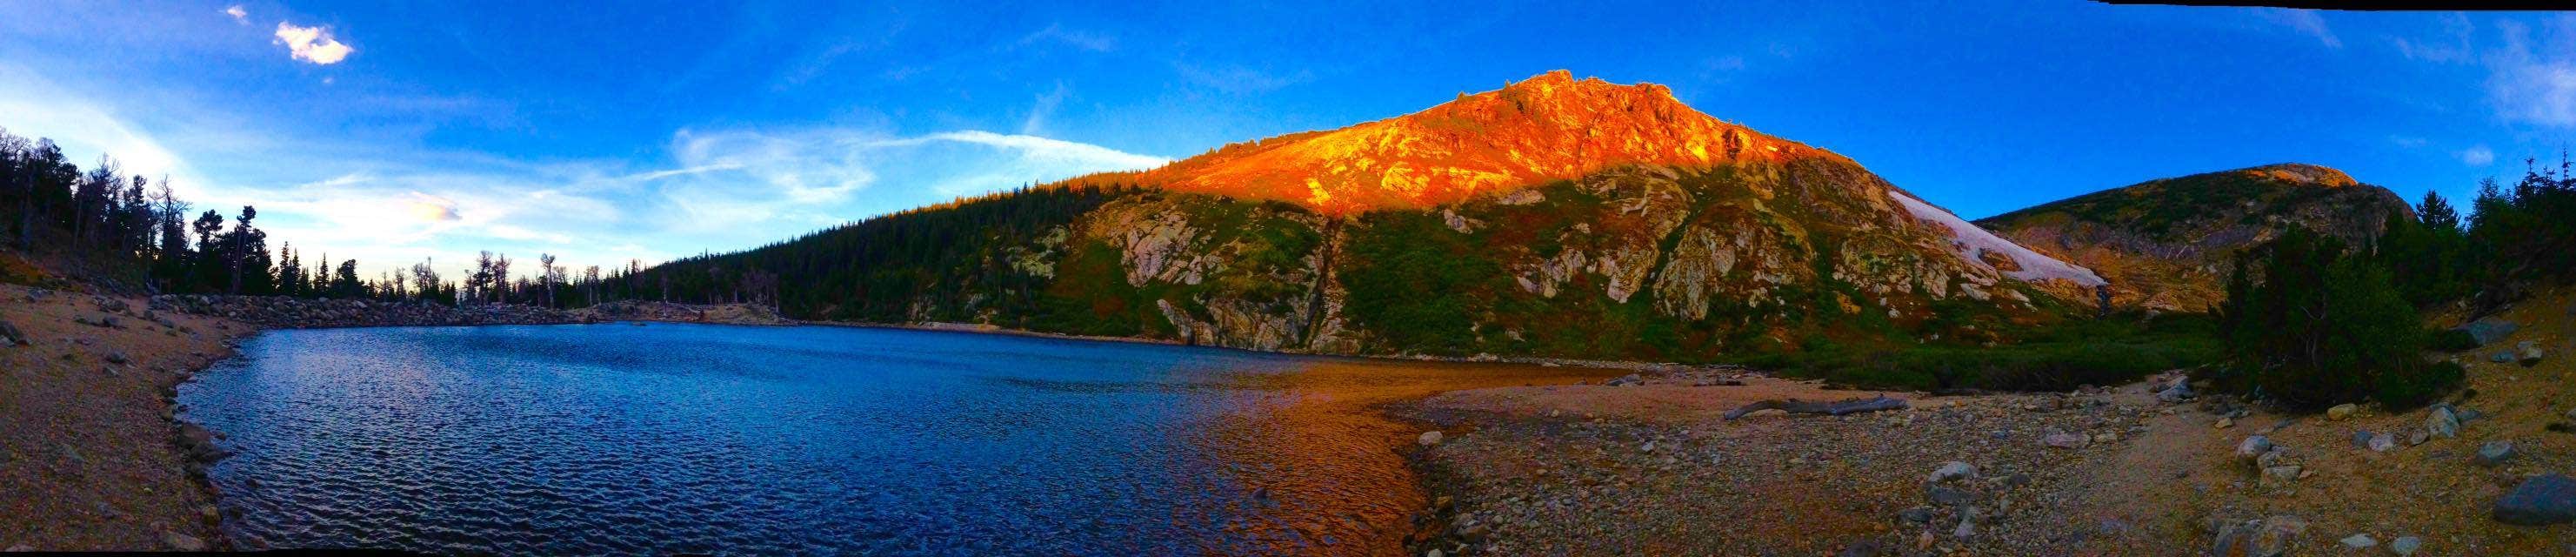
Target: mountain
x=1553, y=217
x=2166, y=243
x=1547, y=127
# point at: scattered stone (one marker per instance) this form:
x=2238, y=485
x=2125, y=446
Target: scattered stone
x=1954, y=471
x=20, y=548
x=2488, y=331
x=2341, y=411
x=2417, y=437
x=1967, y=524
x=2405, y=546
x=10, y=335
x=2440, y=422
x=2381, y=442
x=116, y=357
x=1947, y=497
x=2224, y=423
x=2269, y=537
x=2495, y=453
x=2539, y=500
x=2531, y=355
x=2177, y=392
x=2253, y=447
x=1626, y=380
x=2066, y=440
x=2360, y=541
x=2361, y=439
x=1429, y=438
x=182, y=542
x=1916, y=515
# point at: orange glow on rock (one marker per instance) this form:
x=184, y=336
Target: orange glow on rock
x=1544, y=128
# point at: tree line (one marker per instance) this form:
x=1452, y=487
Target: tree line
x=2311, y=322
x=131, y=233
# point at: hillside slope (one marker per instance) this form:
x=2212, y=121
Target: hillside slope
x=1559, y=218
x=2165, y=243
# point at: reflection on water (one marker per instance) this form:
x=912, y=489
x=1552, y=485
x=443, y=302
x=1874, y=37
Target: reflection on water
x=675, y=438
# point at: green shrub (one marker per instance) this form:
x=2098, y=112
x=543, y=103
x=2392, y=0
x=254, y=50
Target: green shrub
x=2452, y=340
x=2322, y=329
x=2406, y=391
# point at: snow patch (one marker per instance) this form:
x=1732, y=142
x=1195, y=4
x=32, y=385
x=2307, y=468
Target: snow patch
x=1971, y=241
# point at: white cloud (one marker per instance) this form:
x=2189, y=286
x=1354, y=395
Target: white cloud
x=240, y=15
x=1056, y=32
x=1238, y=79
x=2303, y=21
x=2454, y=46
x=1045, y=106
x=2477, y=156
x=2533, y=79
x=312, y=44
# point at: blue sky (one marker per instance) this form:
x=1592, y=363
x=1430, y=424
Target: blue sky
x=391, y=131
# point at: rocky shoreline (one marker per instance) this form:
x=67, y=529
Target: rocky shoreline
x=1652, y=464
x=282, y=312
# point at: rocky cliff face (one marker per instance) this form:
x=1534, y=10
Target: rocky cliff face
x=1553, y=217
x=2166, y=244
x=1550, y=126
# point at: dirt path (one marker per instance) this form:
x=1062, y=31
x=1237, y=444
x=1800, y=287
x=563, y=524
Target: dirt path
x=89, y=459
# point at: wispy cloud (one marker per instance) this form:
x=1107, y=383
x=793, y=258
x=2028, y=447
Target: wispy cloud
x=1043, y=108
x=312, y=44
x=1056, y=33
x=240, y=15
x=2477, y=156
x=2532, y=77
x=2307, y=22
x=1238, y=79
x=2455, y=44
x=2531, y=72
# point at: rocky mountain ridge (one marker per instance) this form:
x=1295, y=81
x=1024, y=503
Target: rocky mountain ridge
x=1552, y=218
x=2165, y=243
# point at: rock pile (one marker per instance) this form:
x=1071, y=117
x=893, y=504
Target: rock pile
x=289, y=312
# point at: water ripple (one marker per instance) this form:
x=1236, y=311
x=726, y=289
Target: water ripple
x=614, y=439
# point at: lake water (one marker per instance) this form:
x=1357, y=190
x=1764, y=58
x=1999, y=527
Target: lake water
x=614, y=438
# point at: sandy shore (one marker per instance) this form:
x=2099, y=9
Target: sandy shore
x=90, y=458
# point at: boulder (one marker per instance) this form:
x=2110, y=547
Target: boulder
x=2405, y=546
x=2488, y=331
x=2341, y=411
x=2539, y=500
x=2441, y=422
x=2253, y=447
x=2177, y=392
x=2495, y=453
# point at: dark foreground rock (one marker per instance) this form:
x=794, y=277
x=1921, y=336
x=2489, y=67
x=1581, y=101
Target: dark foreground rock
x=2540, y=500
x=291, y=313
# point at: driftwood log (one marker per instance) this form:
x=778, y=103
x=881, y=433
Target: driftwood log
x=1836, y=408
